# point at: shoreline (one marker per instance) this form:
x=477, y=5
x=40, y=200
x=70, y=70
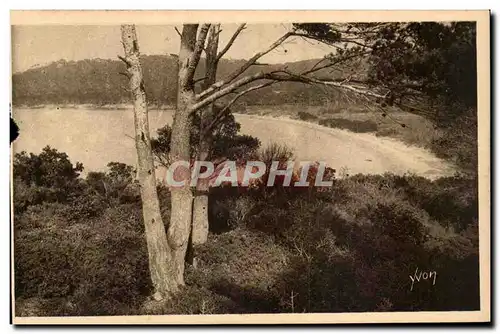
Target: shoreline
x=368, y=143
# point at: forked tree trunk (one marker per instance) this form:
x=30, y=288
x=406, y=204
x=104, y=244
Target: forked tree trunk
x=182, y=198
x=200, y=204
x=159, y=251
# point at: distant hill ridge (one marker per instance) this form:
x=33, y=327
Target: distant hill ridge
x=99, y=82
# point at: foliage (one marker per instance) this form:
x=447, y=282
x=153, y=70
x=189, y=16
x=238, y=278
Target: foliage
x=226, y=142
x=305, y=116
x=92, y=81
x=50, y=177
x=115, y=185
x=99, y=266
x=48, y=169
x=354, y=248
x=349, y=249
x=459, y=143
x=426, y=67
x=351, y=125
x=436, y=59
x=276, y=152
x=47, y=177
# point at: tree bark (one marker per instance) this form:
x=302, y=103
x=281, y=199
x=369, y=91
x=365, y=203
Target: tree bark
x=182, y=198
x=159, y=251
x=200, y=204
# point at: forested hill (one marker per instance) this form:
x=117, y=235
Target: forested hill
x=99, y=82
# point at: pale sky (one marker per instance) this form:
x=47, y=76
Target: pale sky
x=39, y=45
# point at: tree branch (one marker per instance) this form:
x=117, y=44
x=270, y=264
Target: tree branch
x=125, y=60
x=287, y=76
x=199, y=79
x=347, y=40
x=307, y=36
x=336, y=62
x=125, y=74
x=178, y=32
x=221, y=113
x=243, y=68
x=226, y=90
x=231, y=41
x=196, y=54
x=339, y=83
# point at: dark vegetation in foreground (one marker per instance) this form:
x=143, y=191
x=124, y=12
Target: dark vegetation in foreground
x=80, y=247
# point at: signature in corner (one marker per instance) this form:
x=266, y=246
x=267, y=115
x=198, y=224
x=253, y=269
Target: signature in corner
x=424, y=275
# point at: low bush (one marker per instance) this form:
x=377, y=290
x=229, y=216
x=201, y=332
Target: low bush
x=305, y=116
x=355, y=248
x=458, y=143
x=99, y=267
x=241, y=265
x=351, y=125
x=350, y=248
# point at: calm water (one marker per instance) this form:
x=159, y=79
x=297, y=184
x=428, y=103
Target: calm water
x=96, y=137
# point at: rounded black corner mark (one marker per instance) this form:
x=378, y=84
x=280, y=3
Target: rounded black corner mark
x=14, y=130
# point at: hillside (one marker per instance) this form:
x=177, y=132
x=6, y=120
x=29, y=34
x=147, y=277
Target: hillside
x=99, y=82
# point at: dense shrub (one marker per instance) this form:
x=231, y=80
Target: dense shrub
x=117, y=185
x=276, y=152
x=25, y=195
x=305, y=116
x=47, y=177
x=225, y=140
x=453, y=201
x=350, y=248
x=351, y=125
x=459, y=142
x=99, y=267
x=48, y=169
x=355, y=248
x=241, y=265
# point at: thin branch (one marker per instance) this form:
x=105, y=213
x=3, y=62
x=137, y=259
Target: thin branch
x=129, y=136
x=198, y=48
x=178, y=32
x=340, y=83
x=355, y=89
x=332, y=44
x=221, y=113
x=243, y=68
x=248, y=90
x=319, y=62
x=125, y=74
x=285, y=76
x=199, y=79
x=231, y=41
x=125, y=60
x=346, y=40
x=225, y=91
x=336, y=62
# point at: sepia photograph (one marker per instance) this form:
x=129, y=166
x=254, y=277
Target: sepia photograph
x=176, y=167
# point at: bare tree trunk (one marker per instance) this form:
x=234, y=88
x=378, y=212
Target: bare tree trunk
x=158, y=248
x=182, y=198
x=200, y=205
